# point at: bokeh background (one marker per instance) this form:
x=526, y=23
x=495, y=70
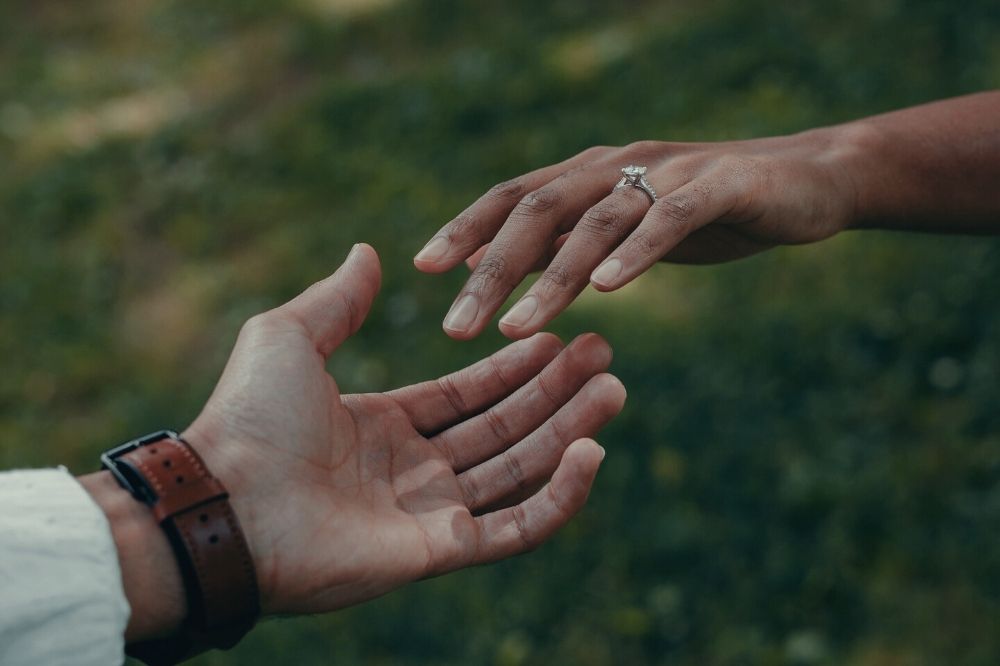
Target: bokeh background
x=808, y=469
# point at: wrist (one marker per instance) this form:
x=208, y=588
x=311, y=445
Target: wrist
x=851, y=154
x=150, y=573
x=232, y=463
x=860, y=157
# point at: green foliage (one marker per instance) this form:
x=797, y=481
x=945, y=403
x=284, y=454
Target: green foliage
x=808, y=470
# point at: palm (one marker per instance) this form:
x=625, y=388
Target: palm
x=354, y=495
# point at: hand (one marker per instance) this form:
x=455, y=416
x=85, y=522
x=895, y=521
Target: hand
x=716, y=202
x=345, y=497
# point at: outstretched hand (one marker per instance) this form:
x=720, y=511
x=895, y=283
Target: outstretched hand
x=344, y=497
x=717, y=202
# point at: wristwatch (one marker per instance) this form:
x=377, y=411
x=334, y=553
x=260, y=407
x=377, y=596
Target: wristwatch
x=164, y=472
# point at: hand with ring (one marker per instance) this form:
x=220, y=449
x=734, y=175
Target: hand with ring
x=607, y=215
x=597, y=218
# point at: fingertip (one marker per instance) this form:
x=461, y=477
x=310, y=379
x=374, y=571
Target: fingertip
x=432, y=267
x=538, y=350
x=516, y=332
x=477, y=256
x=549, y=338
x=603, y=288
x=612, y=386
x=608, y=274
x=368, y=256
x=590, y=335
x=595, y=347
x=461, y=336
x=588, y=449
x=369, y=253
x=578, y=469
x=547, y=343
x=604, y=398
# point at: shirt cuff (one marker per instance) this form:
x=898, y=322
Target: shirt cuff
x=62, y=600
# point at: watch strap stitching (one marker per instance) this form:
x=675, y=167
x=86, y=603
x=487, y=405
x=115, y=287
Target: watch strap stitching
x=223, y=604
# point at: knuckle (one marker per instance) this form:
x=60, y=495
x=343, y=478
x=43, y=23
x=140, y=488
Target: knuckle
x=508, y=189
x=470, y=490
x=642, y=244
x=454, y=396
x=528, y=542
x=560, y=506
x=559, y=435
x=735, y=163
x=464, y=225
x=641, y=148
x=491, y=270
x=497, y=426
x=551, y=394
x=350, y=308
x=594, y=151
x=515, y=472
x=499, y=375
x=539, y=202
x=604, y=220
x=571, y=173
x=676, y=211
x=556, y=278
x=687, y=167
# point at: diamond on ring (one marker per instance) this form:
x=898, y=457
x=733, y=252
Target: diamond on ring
x=635, y=176
x=633, y=172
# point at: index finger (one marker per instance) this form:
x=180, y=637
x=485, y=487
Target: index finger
x=479, y=223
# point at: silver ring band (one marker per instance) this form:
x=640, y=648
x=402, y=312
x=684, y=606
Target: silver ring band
x=635, y=176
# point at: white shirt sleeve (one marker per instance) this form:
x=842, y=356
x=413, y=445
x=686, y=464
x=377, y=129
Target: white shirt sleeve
x=61, y=595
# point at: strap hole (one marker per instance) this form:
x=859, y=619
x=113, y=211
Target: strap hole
x=203, y=517
x=153, y=451
x=180, y=479
x=214, y=538
x=166, y=463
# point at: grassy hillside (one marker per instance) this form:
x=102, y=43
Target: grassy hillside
x=808, y=469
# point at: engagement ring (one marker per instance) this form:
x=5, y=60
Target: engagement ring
x=635, y=176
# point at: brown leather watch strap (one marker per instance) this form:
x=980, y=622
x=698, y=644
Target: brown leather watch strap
x=193, y=508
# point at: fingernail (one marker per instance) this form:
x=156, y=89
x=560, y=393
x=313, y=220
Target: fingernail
x=521, y=313
x=606, y=272
x=603, y=452
x=434, y=250
x=462, y=314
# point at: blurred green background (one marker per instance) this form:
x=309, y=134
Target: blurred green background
x=808, y=469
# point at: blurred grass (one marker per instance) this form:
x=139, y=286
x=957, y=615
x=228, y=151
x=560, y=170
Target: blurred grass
x=808, y=470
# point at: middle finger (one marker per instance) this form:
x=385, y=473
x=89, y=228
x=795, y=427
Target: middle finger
x=599, y=231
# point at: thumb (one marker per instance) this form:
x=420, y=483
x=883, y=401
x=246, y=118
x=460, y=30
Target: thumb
x=334, y=308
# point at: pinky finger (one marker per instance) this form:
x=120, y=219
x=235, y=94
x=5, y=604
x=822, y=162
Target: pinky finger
x=669, y=221
x=526, y=526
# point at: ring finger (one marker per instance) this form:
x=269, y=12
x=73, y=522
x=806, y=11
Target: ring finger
x=600, y=231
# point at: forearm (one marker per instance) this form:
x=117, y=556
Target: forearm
x=150, y=574
x=934, y=167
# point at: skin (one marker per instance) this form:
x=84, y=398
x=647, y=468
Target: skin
x=929, y=168
x=345, y=497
